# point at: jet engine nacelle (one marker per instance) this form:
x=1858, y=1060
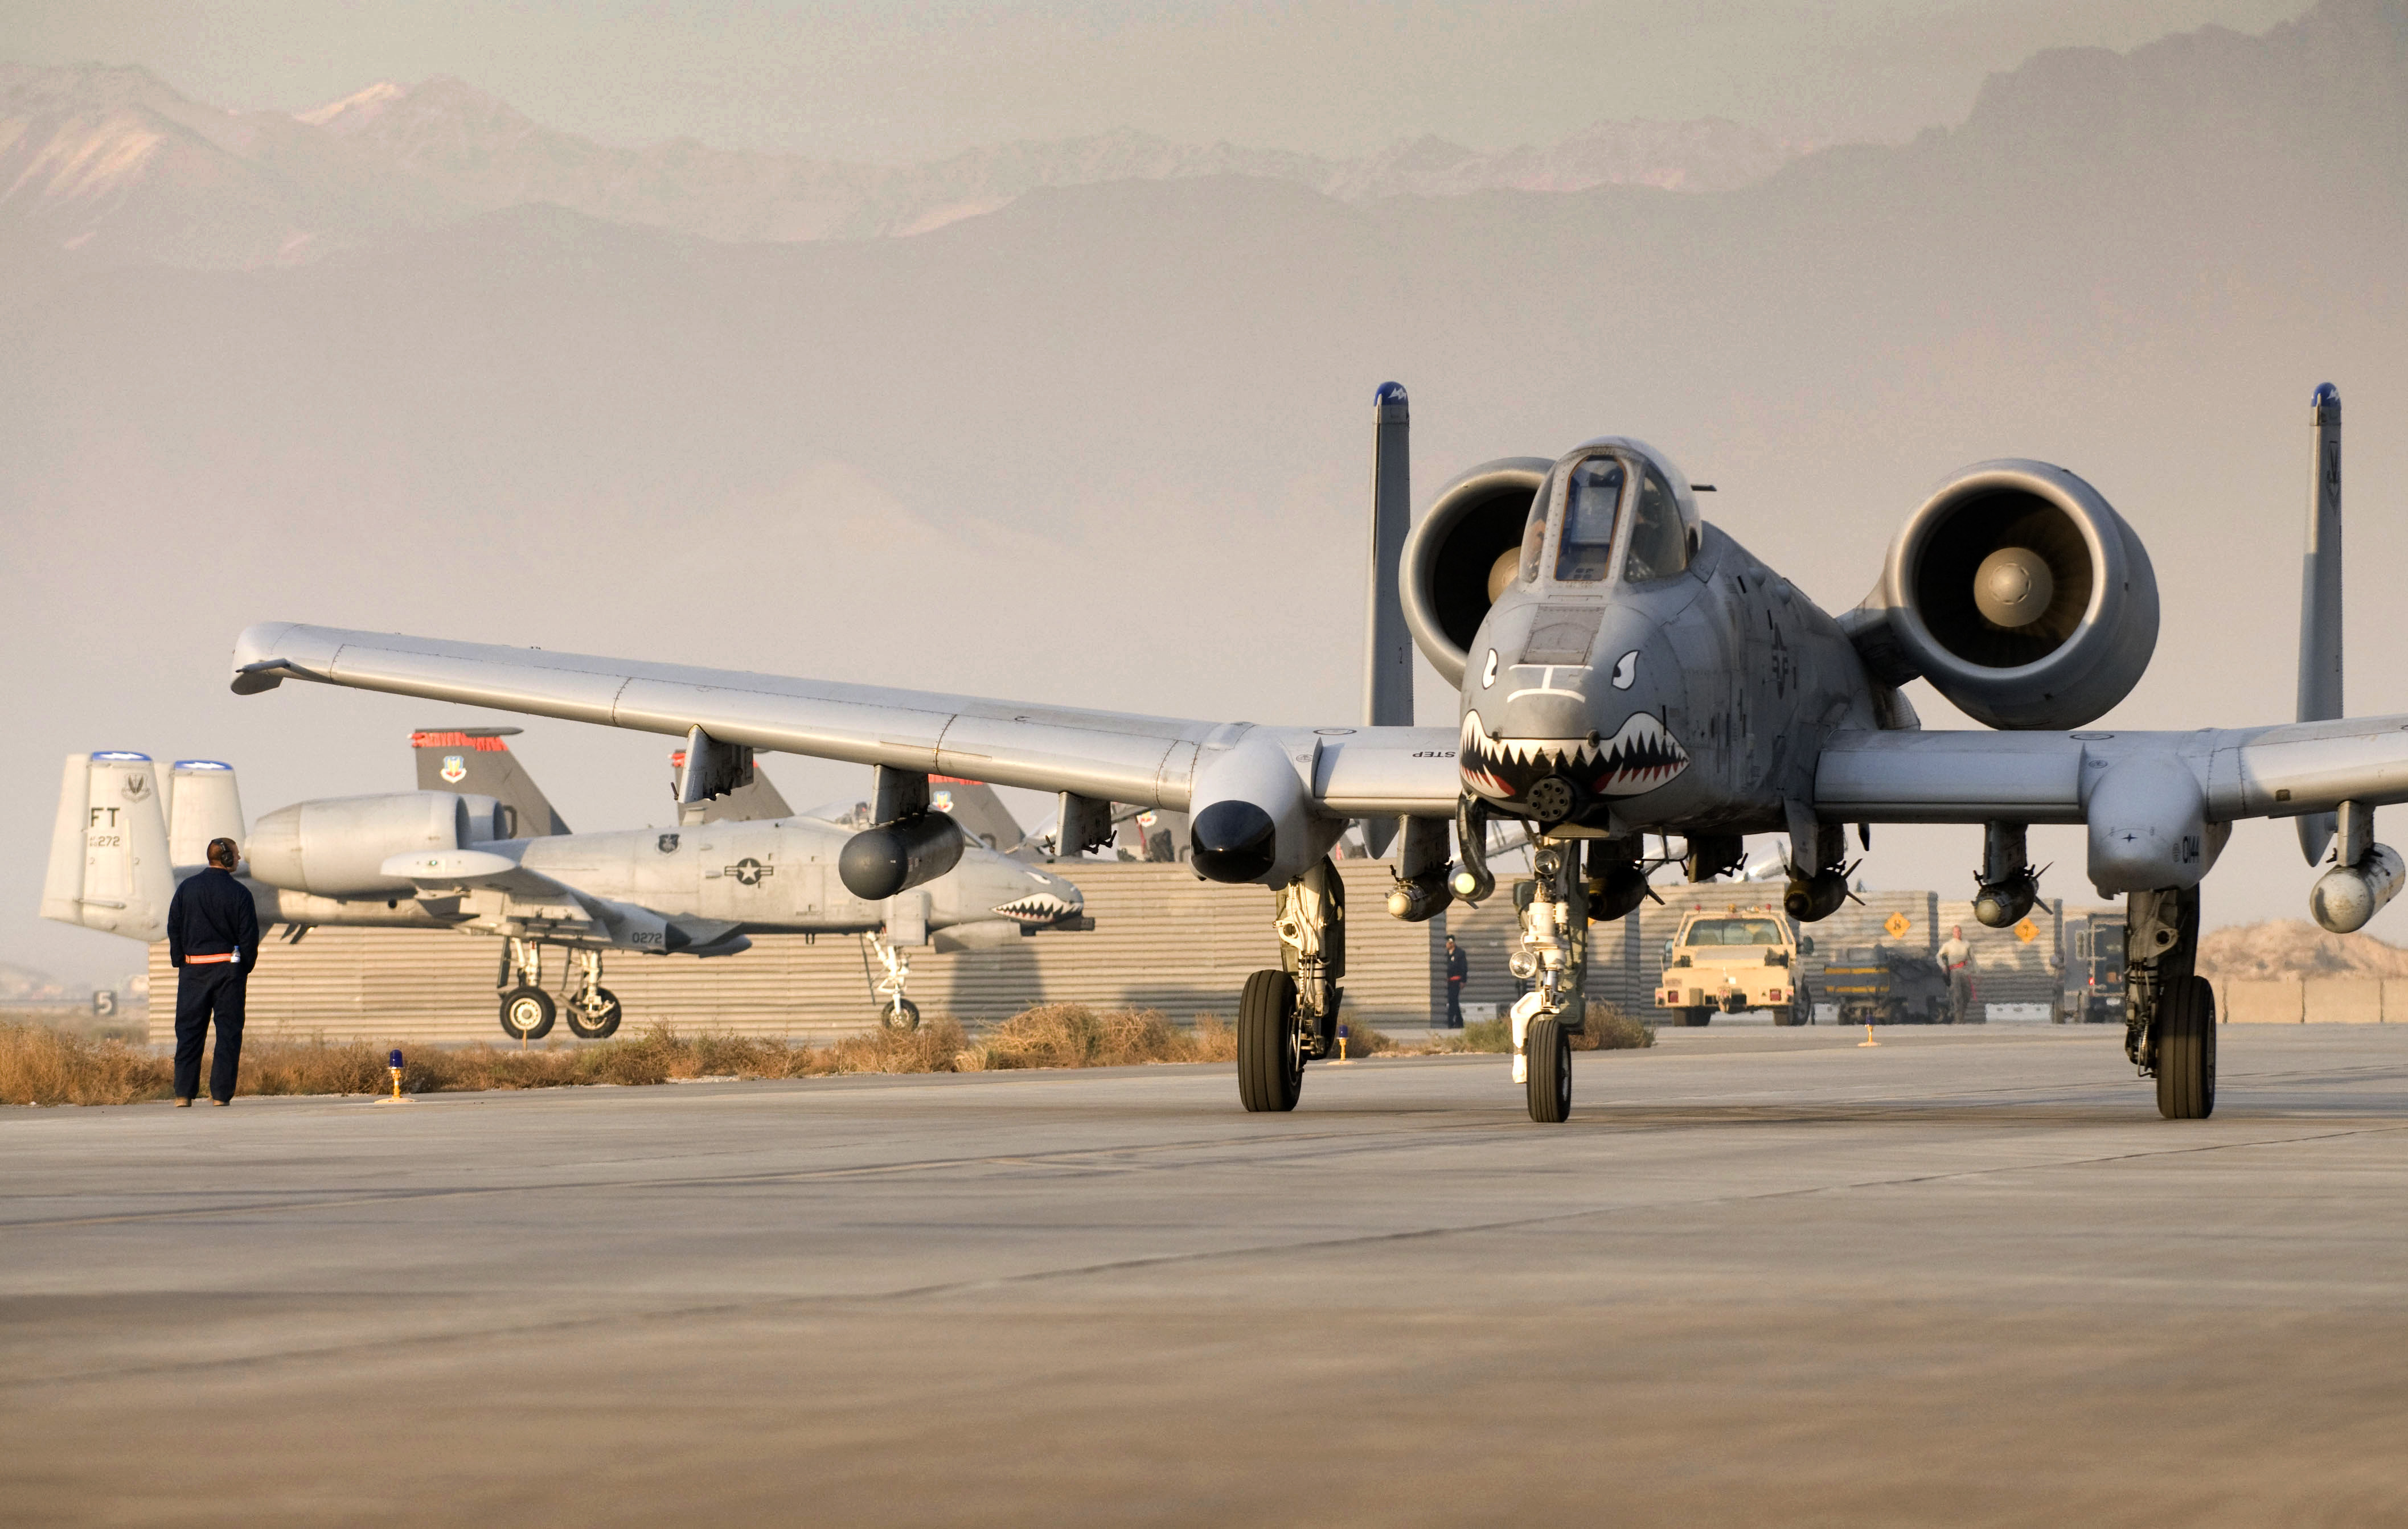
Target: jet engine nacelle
x=1463, y=554
x=877, y=863
x=2020, y=593
x=337, y=848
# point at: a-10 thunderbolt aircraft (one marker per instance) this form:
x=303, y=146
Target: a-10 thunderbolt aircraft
x=483, y=853
x=1626, y=670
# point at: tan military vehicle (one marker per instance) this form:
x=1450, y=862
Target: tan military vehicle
x=1738, y=959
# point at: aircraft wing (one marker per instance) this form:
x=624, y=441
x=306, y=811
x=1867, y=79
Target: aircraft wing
x=2281, y=771
x=439, y=871
x=1357, y=772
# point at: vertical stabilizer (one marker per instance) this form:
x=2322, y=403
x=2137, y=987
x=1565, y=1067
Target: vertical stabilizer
x=202, y=805
x=2320, y=697
x=475, y=761
x=108, y=848
x=978, y=809
x=1387, y=645
x=755, y=801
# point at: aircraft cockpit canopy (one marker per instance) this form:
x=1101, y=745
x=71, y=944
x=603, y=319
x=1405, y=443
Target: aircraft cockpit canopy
x=1609, y=505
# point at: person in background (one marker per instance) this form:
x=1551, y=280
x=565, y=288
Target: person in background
x=1458, y=969
x=212, y=943
x=1957, y=960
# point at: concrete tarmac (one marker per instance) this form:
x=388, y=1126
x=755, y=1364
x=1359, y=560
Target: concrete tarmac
x=1966, y=1277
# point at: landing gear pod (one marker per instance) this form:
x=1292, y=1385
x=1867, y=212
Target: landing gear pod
x=877, y=863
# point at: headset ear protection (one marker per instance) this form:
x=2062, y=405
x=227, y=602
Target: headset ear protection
x=223, y=855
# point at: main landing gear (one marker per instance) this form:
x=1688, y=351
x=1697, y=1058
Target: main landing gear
x=2169, y=1009
x=528, y=1011
x=1288, y=1017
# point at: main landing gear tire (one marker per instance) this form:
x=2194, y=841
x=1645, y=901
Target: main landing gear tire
x=2186, y=1052
x=526, y=1013
x=602, y=1022
x=1548, y=1048
x=1270, y=1043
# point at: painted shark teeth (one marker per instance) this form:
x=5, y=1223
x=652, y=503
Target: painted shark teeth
x=1638, y=758
x=1036, y=908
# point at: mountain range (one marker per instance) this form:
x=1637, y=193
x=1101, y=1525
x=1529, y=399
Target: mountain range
x=113, y=163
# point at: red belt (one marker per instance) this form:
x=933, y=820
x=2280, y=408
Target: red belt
x=208, y=961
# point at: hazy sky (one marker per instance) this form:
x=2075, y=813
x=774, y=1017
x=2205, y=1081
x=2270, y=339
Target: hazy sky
x=901, y=81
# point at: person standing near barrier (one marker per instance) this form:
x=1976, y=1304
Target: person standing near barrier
x=212, y=943
x=1957, y=960
x=1458, y=969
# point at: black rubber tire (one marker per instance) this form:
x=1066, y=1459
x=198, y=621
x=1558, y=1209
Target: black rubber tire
x=907, y=1019
x=601, y=1027
x=527, y=1013
x=1697, y=1019
x=1270, y=1053
x=1548, y=1048
x=2186, y=1052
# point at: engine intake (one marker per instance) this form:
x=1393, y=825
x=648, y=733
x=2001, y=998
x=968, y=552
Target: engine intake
x=1463, y=553
x=2020, y=593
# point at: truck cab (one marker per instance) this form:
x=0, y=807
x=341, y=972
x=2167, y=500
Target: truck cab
x=1738, y=959
x=2094, y=977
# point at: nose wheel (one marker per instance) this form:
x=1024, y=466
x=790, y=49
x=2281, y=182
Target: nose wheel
x=1549, y=1048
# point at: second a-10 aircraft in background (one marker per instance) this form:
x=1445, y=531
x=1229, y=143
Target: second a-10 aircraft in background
x=479, y=850
x=1624, y=669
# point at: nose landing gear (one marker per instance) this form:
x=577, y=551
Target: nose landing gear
x=1554, y=959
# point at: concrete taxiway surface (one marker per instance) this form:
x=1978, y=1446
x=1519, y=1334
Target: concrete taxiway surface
x=1765, y=1276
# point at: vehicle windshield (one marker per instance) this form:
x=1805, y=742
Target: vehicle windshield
x=1734, y=931
x=1592, y=502
x=1659, y=543
x=2107, y=943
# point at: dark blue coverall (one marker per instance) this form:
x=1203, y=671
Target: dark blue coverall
x=1458, y=969
x=213, y=916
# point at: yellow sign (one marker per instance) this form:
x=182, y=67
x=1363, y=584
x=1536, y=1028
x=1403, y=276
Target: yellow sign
x=1898, y=926
x=2027, y=931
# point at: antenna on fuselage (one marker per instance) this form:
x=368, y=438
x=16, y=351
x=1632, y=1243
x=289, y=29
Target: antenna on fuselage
x=2320, y=596
x=1387, y=645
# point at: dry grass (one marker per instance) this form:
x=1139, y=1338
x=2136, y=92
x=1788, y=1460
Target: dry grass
x=1075, y=1036
x=46, y=1065
x=42, y=1066
x=1609, y=1029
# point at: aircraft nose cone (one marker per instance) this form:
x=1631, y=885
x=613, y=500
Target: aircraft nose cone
x=2012, y=587
x=1234, y=841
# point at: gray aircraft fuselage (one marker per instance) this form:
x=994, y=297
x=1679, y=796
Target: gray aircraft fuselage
x=1693, y=702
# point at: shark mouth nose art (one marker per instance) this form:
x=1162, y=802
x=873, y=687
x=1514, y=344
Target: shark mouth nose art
x=1638, y=758
x=1038, y=908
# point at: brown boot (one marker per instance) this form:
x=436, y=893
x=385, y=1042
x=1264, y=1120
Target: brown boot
x=220, y=1103
x=184, y=1101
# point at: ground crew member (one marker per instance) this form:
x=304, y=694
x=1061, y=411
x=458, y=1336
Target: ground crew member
x=1957, y=960
x=212, y=943
x=1458, y=969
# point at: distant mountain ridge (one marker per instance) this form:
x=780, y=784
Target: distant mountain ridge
x=111, y=163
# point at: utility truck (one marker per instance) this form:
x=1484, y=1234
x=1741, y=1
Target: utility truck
x=1738, y=959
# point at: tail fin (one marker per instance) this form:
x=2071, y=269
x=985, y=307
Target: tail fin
x=1387, y=645
x=109, y=867
x=475, y=761
x=755, y=801
x=202, y=804
x=980, y=812
x=2320, y=597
